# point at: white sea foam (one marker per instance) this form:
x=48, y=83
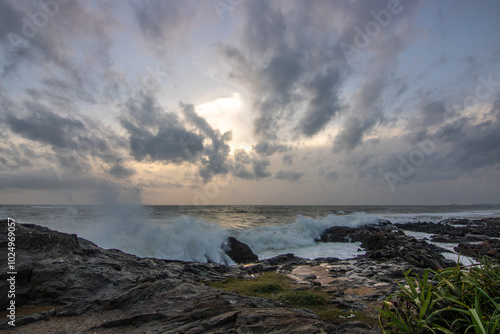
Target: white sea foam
x=301, y=233
x=190, y=239
x=437, y=216
x=184, y=238
x=155, y=232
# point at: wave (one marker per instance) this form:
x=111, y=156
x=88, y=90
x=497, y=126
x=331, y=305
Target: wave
x=301, y=233
x=438, y=216
x=184, y=238
x=189, y=239
x=49, y=206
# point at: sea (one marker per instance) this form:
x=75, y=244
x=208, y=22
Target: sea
x=196, y=233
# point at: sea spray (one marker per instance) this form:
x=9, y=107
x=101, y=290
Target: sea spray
x=301, y=233
x=184, y=238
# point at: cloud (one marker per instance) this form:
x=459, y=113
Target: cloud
x=324, y=103
x=331, y=174
x=121, y=172
x=260, y=168
x=287, y=159
x=47, y=127
x=169, y=144
x=167, y=24
x=288, y=175
x=351, y=134
x=215, y=156
x=269, y=148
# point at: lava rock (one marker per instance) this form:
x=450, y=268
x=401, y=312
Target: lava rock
x=238, y=251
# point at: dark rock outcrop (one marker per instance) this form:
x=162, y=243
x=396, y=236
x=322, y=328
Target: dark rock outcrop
x=490, y=248
x=87, y=289
x=238, y=251
x=457, y=230
x=383, y=242
x=389, y=244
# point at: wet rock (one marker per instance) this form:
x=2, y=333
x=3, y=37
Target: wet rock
x=385, y=245
x=336, y=234
x=490, y=248
x=238, y=251
x=455, y=230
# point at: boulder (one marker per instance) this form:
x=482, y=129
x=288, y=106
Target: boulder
x=238, y=251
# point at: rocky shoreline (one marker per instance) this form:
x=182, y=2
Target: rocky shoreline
x=68, y=284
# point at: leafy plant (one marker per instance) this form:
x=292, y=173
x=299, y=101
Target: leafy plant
x=457, y=300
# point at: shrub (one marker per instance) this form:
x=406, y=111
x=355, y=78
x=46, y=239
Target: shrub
x=457, y=300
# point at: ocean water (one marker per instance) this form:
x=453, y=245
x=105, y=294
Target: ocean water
x=196, y=233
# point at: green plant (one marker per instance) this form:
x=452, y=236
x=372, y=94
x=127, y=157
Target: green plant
x=302, y=299
x=457, y=300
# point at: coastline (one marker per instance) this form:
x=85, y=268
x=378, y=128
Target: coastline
x=109, y=291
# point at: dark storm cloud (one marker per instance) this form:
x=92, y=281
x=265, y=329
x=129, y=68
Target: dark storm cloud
x=459, y=147
x=44, y=126
x=324, y=104
x=288, y=175
x=431, y=113
x=169, y=144
x=269, y=148
x=351, y=134
x=260, y=168
x=242, y=172
x=121, y=172
x=289, y=58
x=271, y=67
x=215, y=156
x=65, y=143
x=473, y=144
x=364, y=115
x=157, y=135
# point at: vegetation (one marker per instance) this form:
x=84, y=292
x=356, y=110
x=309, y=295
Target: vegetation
x=280, y=287
x=455, y=300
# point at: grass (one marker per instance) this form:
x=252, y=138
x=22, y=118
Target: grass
x=266, y=285
x=456, y=300
x=281, y=287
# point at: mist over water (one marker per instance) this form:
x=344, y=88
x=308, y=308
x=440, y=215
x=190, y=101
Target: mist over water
x=196, y=233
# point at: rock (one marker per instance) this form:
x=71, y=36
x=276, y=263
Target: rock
x=238, y=251
x=476, y=237
x=456, y=230
x=385, y=245
x=337, y=234
x=489, y=248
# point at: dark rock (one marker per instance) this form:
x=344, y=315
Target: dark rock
x=385, y=245
x=238, y=251
x=489, y=248
x=476, y=237
x=455, y=230
x=337, y=234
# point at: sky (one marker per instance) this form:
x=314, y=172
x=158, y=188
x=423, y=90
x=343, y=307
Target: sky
x=383, y=102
